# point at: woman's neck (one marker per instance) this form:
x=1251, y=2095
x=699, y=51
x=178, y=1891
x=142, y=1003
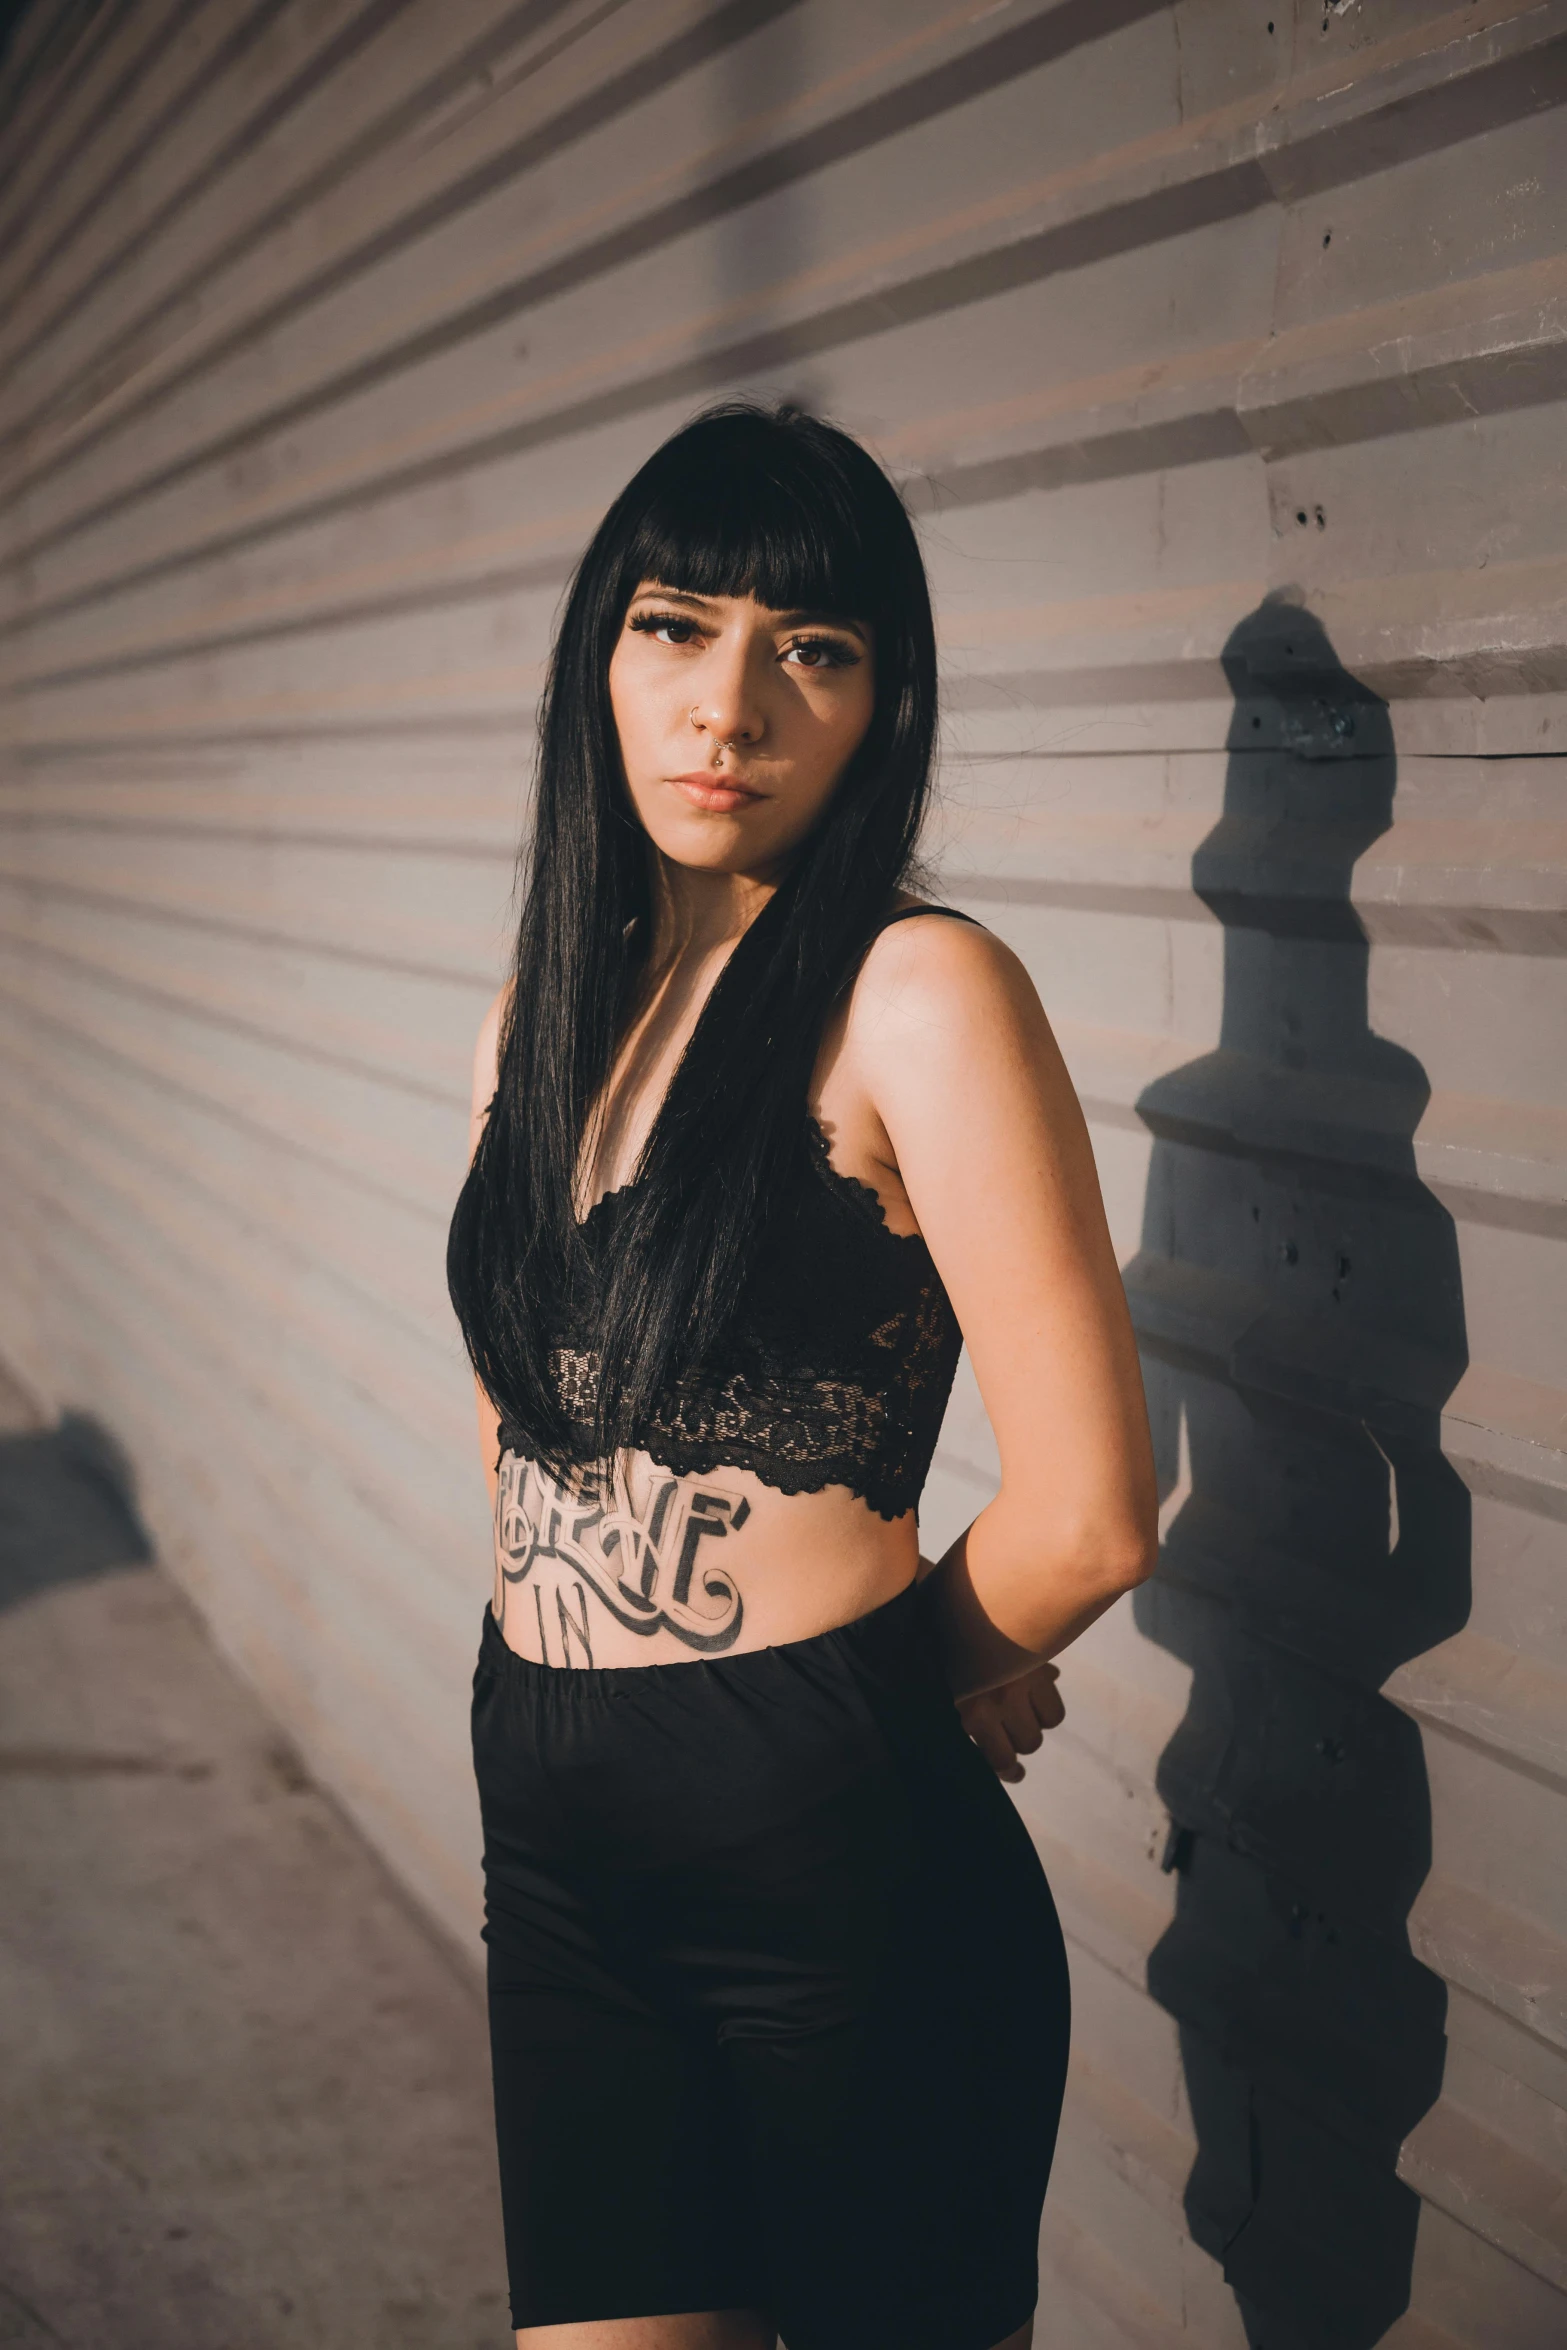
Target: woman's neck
x=694, y=914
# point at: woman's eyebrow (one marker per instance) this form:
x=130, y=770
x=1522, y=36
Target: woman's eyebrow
x=808, y=619
x=804, y=618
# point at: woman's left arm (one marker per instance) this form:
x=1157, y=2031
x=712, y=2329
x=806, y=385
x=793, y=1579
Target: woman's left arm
x=993, y=1152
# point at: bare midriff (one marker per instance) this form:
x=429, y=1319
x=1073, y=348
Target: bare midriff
x=643, y=1567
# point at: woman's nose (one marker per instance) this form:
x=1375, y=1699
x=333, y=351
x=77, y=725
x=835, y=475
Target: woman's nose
x=728, y=710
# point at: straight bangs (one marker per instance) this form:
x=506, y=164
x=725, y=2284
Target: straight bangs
x=737, y=513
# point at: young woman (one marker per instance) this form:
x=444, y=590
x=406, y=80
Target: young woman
x=778, y=1999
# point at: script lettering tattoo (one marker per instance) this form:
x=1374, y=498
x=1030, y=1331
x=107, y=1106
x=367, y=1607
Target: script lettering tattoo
x=572, y=1627
x=632, y=1537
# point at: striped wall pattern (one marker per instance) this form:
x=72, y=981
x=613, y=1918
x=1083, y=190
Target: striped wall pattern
x=1221, y=354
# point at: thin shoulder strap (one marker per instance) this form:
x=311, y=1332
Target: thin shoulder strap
x=907, y=914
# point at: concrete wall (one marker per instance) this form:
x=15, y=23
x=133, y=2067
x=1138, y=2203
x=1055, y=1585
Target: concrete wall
x=1220, y=352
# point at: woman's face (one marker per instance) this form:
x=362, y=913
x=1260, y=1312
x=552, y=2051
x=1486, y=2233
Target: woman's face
x=735, y=723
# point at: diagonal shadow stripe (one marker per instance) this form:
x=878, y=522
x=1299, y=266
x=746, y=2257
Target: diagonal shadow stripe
x=922, y=99
x=1073, y=244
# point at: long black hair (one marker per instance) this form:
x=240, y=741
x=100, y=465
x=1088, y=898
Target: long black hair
x=745, y=500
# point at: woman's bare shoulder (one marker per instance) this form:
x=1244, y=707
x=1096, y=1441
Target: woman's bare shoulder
x=929, y=971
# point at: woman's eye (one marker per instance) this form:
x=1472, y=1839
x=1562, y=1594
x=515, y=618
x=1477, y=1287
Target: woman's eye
x=822, y=652
x=668, y=627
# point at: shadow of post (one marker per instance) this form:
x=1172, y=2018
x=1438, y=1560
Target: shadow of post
x=1301, y=1314
x=67, y=1510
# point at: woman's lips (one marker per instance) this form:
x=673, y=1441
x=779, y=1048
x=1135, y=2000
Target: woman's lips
x=722, y=794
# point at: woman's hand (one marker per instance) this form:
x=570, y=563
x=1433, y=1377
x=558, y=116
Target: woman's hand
x=1012, y=1720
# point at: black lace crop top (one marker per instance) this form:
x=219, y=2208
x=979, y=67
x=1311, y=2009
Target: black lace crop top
x=838, y=1368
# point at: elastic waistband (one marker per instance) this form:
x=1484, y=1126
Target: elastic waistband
x=896, y=1634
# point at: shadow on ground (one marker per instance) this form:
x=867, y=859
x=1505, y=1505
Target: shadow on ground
x=1303, y=1323
x=66, y=1510
x=245, y=2085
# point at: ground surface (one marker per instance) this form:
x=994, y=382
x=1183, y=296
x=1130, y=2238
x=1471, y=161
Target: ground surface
x=244, y=2088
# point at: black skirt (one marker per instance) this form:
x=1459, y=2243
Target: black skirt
x=778, y=1998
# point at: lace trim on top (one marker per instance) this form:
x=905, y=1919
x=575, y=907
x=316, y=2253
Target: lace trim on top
x=839, y=1369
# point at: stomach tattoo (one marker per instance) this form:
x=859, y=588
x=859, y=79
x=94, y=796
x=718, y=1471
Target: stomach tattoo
x=631, y=1538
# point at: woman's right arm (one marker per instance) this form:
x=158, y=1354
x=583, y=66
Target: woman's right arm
x=486, y=1057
